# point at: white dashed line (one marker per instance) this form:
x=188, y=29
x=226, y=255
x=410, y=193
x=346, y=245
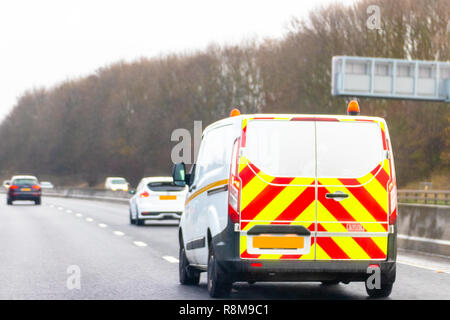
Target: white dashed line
x=139, y=243
x=69, y=211
x=171, y=259
x=60, y=208
x=52, y=206
x=89, y=219
x=79, y=215
x=119, y=233
x=102, y=225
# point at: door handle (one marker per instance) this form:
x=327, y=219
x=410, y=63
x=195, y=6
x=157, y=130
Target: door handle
x=217, y=190
x=338, y=195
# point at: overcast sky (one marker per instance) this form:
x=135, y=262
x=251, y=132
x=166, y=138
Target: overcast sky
x=44, y=42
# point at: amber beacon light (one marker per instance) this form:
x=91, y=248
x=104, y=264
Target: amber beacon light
x=235, y=112
x=353, y=108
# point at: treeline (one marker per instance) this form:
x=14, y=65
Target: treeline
x=119, y=120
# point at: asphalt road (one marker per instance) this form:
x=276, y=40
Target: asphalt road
x=116, y=260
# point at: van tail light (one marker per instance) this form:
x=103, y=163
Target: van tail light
x=392, y=203
x=234, y=185
x=144, y=194
x=234, y=193
x=13, y=187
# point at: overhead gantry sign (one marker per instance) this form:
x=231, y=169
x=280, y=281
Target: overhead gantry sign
x=390, y=78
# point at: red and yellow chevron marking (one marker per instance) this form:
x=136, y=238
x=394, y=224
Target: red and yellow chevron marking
x=367, y=201
x=365, y=211
x=267, y=198
x=351, y=248
x=381, y=173
x=271, y=200
x=345, y=247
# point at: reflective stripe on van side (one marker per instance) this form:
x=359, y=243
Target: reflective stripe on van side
x=206, y=188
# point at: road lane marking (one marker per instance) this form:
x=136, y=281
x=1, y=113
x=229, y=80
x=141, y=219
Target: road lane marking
x=52, y=206
x=119, y=233
x=89, y=219
x=171, y=259
x=102, y=225
x=79, y=215
x=60, y=208
x=69, y=211
x=139, y=243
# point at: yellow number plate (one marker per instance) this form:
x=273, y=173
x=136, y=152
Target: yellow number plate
x=278, y=242
x=167, y=197
x=25, y=189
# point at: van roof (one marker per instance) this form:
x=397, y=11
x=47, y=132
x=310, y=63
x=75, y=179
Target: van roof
x=282, y=115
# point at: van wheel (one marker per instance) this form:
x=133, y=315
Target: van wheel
x=37, y=201
x=384, y=292
x=132, y=221
x=9, y=202
x=188, y=276
x=217, y=287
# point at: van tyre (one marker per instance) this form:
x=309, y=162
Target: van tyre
x=9, y=202
x=188, y=277
x=37, y=201
x=217, y=286
x=384, y=292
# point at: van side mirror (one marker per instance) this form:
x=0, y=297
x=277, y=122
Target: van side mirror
x=179, y=174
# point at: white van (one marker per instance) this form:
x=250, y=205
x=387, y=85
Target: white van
x=276, y=197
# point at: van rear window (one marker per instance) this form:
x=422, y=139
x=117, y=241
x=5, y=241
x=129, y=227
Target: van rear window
x=282, y=148
x=348, y=149
x=164, y=186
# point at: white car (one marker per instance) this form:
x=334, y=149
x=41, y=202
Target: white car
x=157, y=198
x=6, y=184
x=47, y=185
x=116, y=184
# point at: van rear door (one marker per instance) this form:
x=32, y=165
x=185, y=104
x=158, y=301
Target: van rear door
x=277, y=203
x=352, y=198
